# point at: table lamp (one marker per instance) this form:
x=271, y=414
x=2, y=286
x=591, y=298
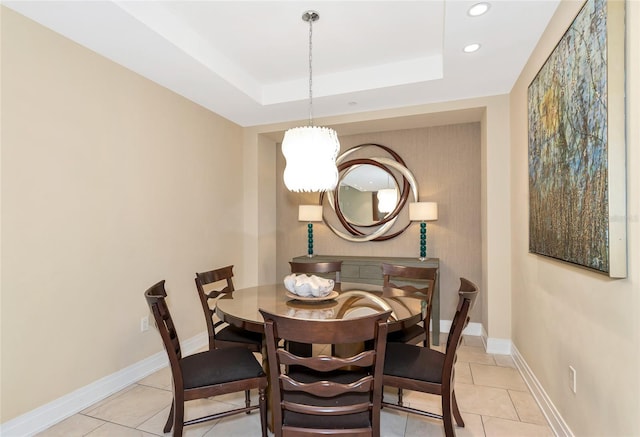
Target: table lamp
x=310, y=214
x=423, y=212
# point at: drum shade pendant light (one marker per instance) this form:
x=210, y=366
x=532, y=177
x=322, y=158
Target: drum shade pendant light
x=310, y=151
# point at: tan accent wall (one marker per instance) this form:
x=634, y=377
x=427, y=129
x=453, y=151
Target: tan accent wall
x=109, y=184
x=564, y=315
x=494, y=204
x=445, y=161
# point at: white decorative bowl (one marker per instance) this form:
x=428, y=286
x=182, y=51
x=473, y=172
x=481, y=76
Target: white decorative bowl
x=308, y=286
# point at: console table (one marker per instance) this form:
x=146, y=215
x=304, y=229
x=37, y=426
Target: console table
x=366, y=269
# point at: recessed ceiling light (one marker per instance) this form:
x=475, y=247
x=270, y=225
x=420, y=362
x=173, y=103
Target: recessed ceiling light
x=478, y=9
x=471, y=48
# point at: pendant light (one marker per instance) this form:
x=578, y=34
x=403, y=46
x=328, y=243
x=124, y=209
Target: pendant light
x=310, y=151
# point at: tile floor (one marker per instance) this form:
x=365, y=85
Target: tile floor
x=492, y=397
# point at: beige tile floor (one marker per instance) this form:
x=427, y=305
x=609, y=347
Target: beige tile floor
x=492, y=397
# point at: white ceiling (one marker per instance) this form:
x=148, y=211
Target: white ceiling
x=248, y=60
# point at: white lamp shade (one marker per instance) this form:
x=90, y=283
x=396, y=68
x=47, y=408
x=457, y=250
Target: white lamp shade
x=310, y=152
x=310, y=213
x=423, y=211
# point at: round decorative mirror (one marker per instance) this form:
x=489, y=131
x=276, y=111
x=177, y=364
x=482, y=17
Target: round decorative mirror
x=370, y=195
x=367, y=194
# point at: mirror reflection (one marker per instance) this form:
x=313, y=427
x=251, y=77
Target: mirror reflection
x=367, y=194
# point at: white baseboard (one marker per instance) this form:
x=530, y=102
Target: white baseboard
x=472, y=328
x=556, y=422
x=492, y=345
x=499, y=346
x=49, y=414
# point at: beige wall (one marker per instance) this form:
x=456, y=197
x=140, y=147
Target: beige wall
x=445, y=161
x=109, y=184
x=563, y=315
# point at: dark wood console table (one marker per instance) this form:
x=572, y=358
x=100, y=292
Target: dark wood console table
x=366, y=269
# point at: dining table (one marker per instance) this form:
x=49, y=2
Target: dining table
x=241, y=308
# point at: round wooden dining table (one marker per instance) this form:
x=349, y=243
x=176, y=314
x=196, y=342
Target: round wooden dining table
x=241, y=307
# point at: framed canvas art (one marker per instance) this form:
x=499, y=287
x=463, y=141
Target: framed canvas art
x=576, y=134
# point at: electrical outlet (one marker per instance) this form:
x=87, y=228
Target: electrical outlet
x=572, y=379
x=144, y=324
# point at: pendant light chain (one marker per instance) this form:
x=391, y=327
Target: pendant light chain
x=310, y=72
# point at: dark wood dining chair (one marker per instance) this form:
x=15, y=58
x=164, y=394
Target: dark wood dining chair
x=329, y=269
x=222, y=335
x=205, y=374
x=318, y=395
x=426, y=275
x=325, y=269
x=413, y=367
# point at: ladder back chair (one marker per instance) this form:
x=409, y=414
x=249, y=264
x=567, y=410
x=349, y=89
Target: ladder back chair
x=211, y=285
x=325, y=268
x=221, y=334
x=417, y=368
x=426, y=275
x=205, y=374
x=326, y=394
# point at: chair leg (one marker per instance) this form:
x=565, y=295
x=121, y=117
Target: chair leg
x=169, y=424
x=456, y=411
x=178, y=418
x=262, y=402
x=178, y=414
x=449, y=431
x=400, y=397
x=247, y=400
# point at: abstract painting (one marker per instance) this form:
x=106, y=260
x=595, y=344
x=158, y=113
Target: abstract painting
x=577, y=203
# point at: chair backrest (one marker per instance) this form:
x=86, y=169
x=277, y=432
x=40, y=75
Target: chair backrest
x=334, y=267
x=155, y=297
x=206, y=294
x=312, y=392
x=212, y=276
x=426, y=275
x=468, y=294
